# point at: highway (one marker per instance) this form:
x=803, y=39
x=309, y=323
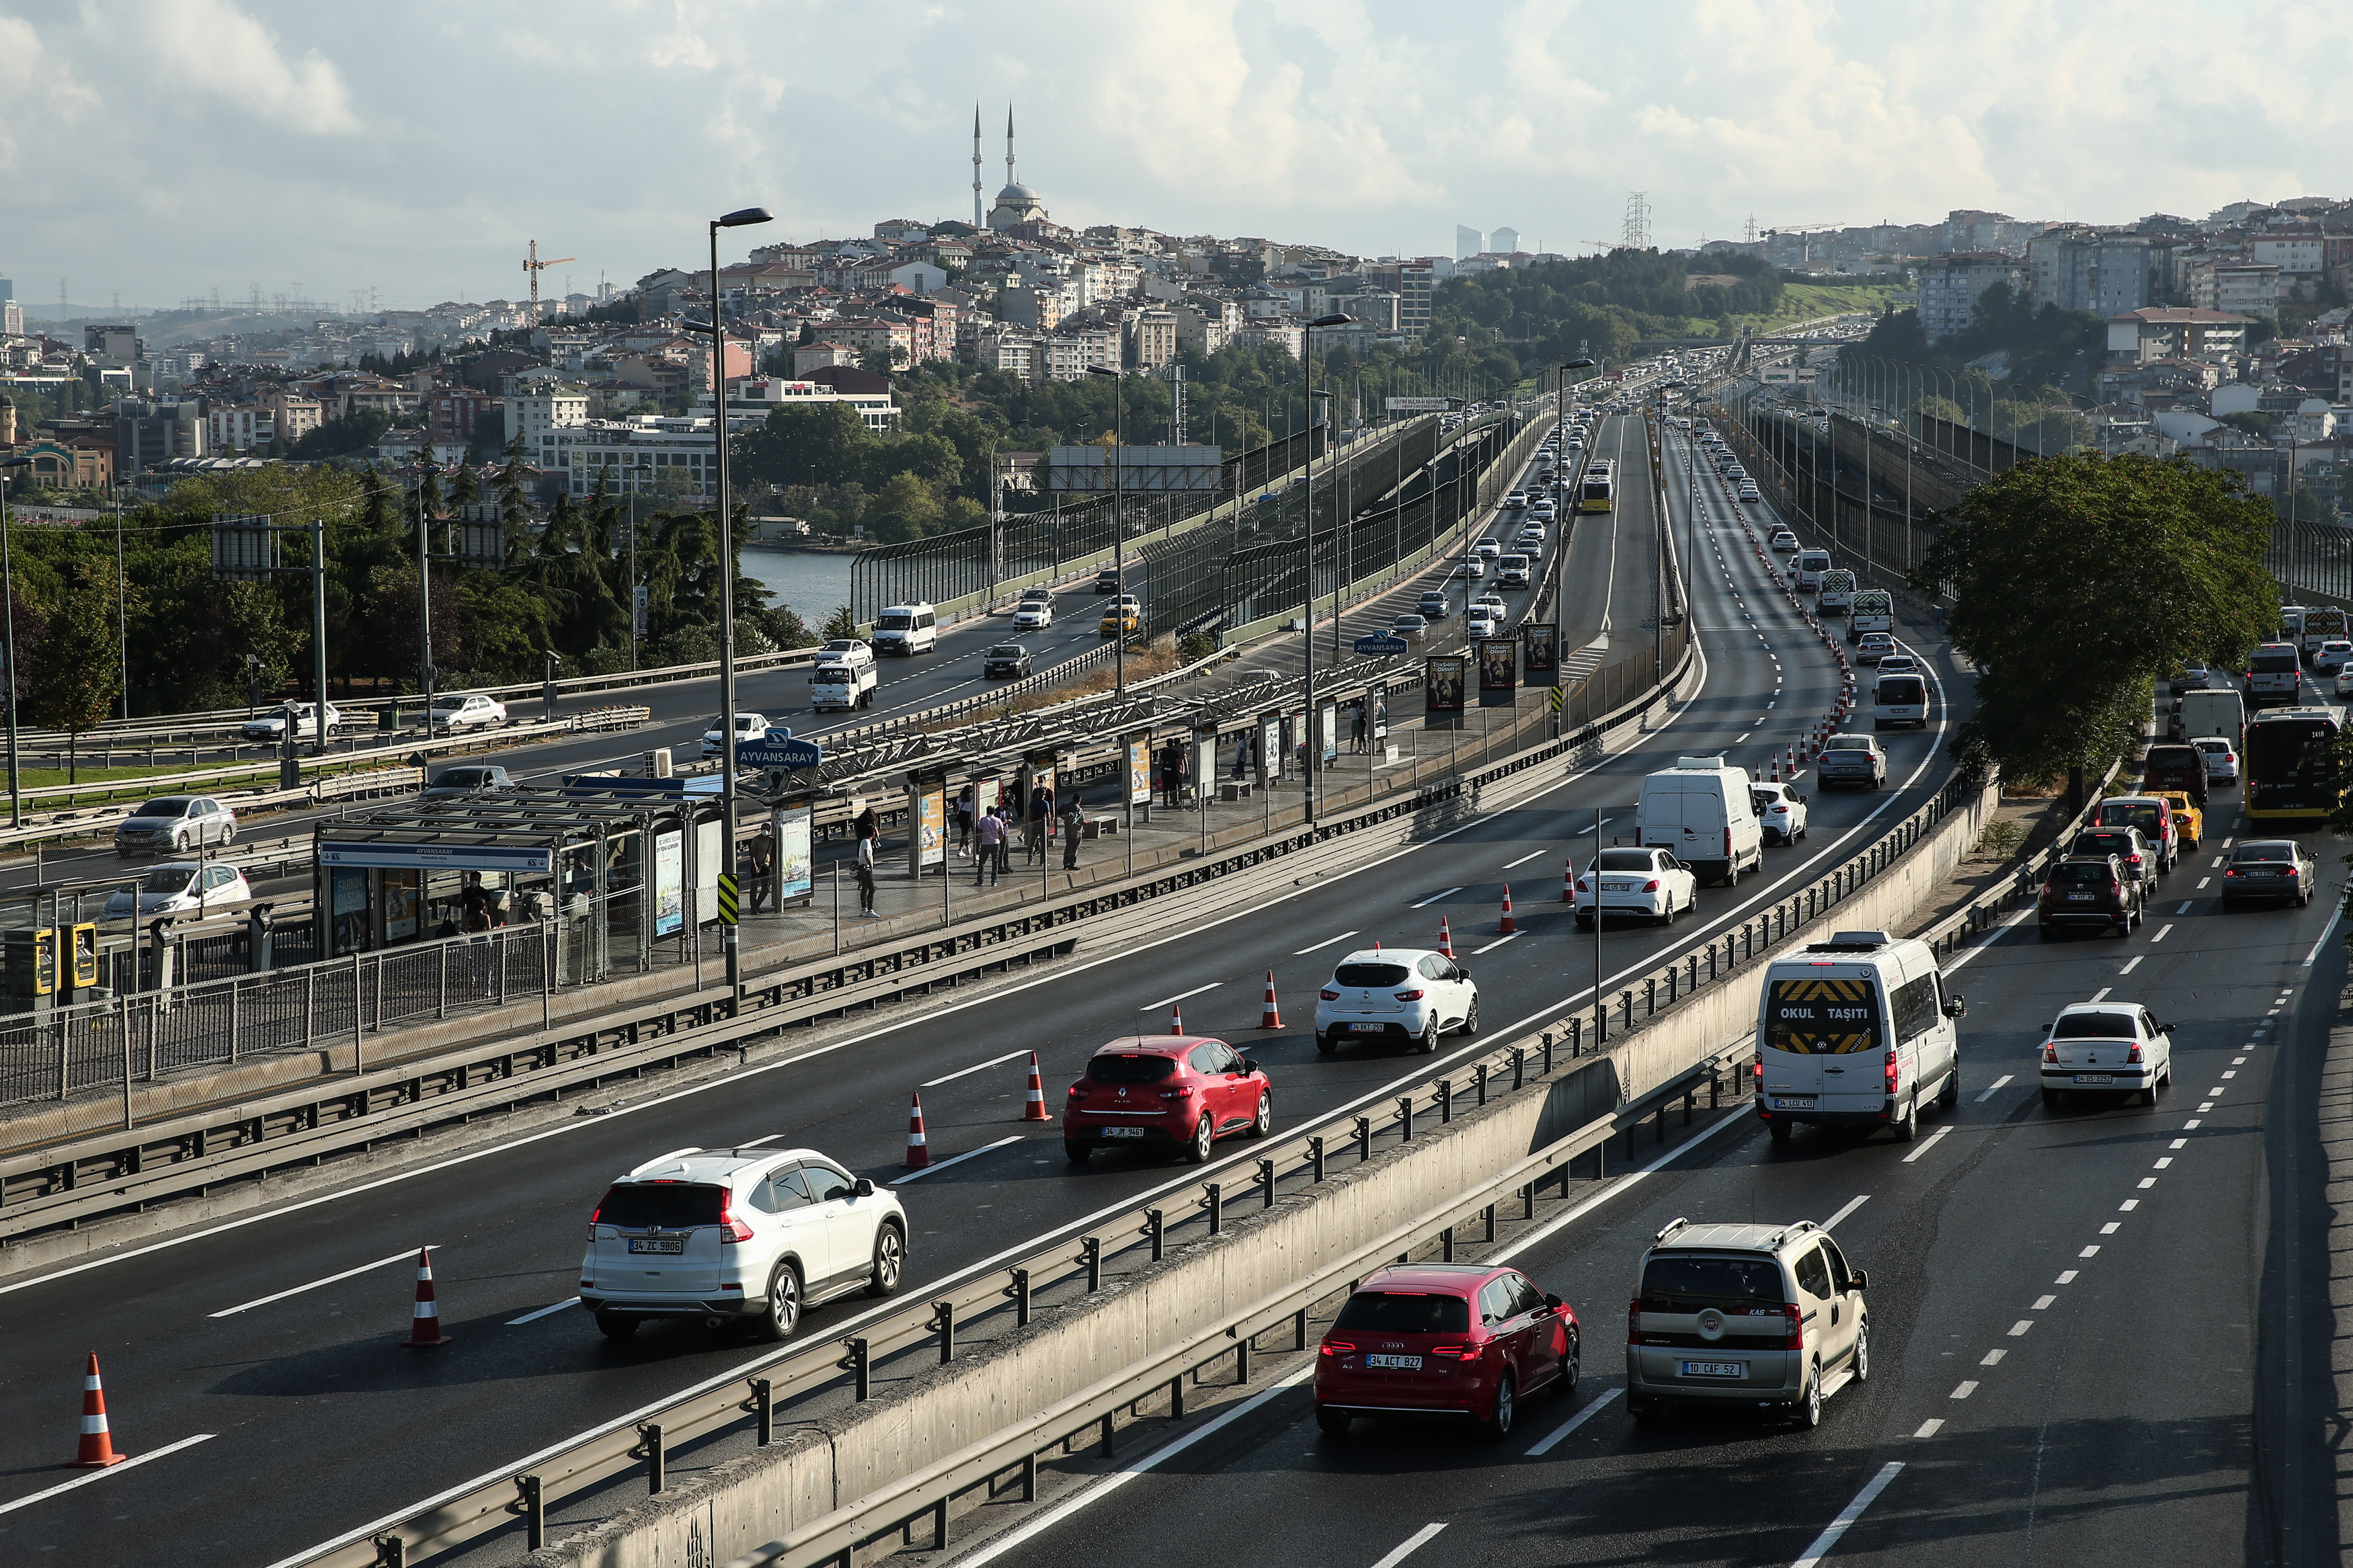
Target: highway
x=275, y=1335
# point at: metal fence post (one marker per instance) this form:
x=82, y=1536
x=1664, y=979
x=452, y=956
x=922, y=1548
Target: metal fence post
x=649, y=1449
x=359, y=1021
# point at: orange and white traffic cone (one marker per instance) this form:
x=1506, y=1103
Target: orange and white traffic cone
x=1176, y=1017
x=919, y=1150
x=1507, y=928
x=425, y=1318
x=97, y=1443
x=1269, y=1017
x=1445, y=937
x=1033, y=1108
x=1567, y=882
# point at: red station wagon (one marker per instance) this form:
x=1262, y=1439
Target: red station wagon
x=1181, y=1091
x=1444, y=1338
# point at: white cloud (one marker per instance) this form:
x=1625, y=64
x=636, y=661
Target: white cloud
x=213, y=46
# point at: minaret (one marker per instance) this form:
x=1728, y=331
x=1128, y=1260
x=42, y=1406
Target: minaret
x=1010, y=178
x=976, y=165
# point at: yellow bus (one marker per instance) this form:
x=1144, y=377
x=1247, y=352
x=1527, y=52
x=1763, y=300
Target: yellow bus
x=1599, y=489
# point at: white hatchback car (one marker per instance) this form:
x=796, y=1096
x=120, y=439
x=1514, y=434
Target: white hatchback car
x=2110, y=1048
x=749, y=727
x=2334, y=658
x=1033, y=615
x=271, y=726
x=180, y=887
x=2222, y=761
x=1780, y=811
x=1638, y=882
x=738, y=1234
x=468, y=711
x=1396, y=994
x=1782, y=539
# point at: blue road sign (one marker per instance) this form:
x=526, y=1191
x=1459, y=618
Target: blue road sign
x=1380, y=645
x=777, y=749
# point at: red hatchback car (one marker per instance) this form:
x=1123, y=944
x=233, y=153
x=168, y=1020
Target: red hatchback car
x=1444, y=1338
x=1184, y=1090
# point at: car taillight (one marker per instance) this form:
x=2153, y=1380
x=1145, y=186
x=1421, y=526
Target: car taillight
x=2230, y=871
x=1410, y=995
x=731, y=1229
x=2133, y=860
x=1329, y=995
x=1652, y=886
x=1077, y=1091
x=1795, y=1338
x=1634, y=1321
x=1180, y=1092
x=1335, y=1347
x=1895, y=1075
x=2133, y=1055
x=1581, y=886
x=2050, y=1051
x=594, y=1214
x=1459, y=1352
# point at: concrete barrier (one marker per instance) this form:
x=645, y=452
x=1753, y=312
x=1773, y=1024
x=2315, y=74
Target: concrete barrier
x=1203, y=1288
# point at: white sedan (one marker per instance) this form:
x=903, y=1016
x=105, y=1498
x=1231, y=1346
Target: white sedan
x=749, y=727
x=1033, y=615
x=1482, y=623
x=468, y=711
x=1649, y=882
x=1782, y=539
x=1780, y=811
x=181, y=887
x=1874, y=646
x=271, y=726
x=2114, y=1047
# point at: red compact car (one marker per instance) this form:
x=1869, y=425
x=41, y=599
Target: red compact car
x=1181, y=1090
x=1444, y=1338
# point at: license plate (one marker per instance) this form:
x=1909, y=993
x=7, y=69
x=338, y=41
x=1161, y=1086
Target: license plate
x=1122, y=1131
x=1395, y=1362
x=1715, y=1369
x=1369, y=1028
x=1617, y=886
x=1793, y=1102
x=2079, y=898
x=668, y=1246
x=2094, y=1077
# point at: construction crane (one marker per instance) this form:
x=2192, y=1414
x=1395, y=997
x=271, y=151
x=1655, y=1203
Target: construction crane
x=533, y=267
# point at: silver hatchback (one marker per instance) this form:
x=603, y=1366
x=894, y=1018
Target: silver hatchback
x=1761, y=1317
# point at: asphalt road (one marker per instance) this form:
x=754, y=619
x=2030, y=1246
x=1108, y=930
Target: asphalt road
x=305, y=1379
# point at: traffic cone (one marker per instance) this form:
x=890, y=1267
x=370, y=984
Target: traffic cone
x=1507, y=928
x=1176, y=1017
x=1269, y=1017
x=424, y=1319
x=97, y=1444
x=1445, y=937
x=919, y=1152
x=1034, y=1106
x=1567, y=882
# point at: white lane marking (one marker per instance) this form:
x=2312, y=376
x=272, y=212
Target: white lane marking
x=771, y=1138
x=2102, y=995
x=1849, y=1514
x=2111, y=1229
x=544, y=1312
x=1434, y=898
x=110, y=1471
x=1962, y=1391
x=2330, y=930
x=1525, y=859
x=1497, y=943
x=1993, y=1357
x=1325, y=943
x=1929, y=1144
x=1590, y=827
x=2202, y=884
x=2043, y=1303
x=1853, y=1204
x=952, y=1160
x=1090, y=1495
x=2178, y=1143
x=2066, y=1277
x=1172, y=1001
x=1967, y=954
x=409, y=1255
x=1562, y=1221
x=1411, y=1545
x=2089, y=1252
x=2129, y=1206
x=1572, y=1424
x=2184, y=909
x=2161, y=931
x=2020, y=1327
x=993, y=1062
x=2128, y=968
x=1930, y=1428
x=1999, y=1083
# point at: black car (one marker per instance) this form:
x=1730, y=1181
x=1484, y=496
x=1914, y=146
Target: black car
x=471, y=779
x=1107, y=581
x=1005, y=662
x=2088, y=890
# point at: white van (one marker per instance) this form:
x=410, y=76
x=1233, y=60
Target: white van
x=1701, y=810
x=2213, y=711
x=1856, y=1032
x=906, y=630
x=1838, y=592
x=2319, y=624
x=1899, y=699
x=1872, y=610
x=1808, y=567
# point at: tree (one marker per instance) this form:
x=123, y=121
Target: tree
x=842, y=623
x=2171, y=556
x=74, y=675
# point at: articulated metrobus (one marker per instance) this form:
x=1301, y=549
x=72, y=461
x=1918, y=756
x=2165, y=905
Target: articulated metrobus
x=2291, y=767
x=1600, y=490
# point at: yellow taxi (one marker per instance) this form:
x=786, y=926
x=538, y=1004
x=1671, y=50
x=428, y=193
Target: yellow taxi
x=1127, y=616
x=2189, y=821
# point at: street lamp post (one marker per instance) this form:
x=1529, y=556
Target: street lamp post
x=1315, y=770
x=8, y=639
x=727, y=858
x=1118, y=524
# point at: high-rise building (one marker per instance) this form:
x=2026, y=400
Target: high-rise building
x=1468, y=242
x=1504, y=241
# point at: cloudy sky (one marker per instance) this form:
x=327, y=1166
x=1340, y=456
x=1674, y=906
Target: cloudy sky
x=156, y=149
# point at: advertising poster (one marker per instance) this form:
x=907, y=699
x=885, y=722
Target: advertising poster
x=710, y=859
x=1204, y=762
x=1542, y=653
x=1139, y=771
x=669, y=882
x=1442, y=684
x=931, y=828
x=1331, y=731
x=1270, y=746
x=796, y=867
x=401, y=903
x=1496, y=665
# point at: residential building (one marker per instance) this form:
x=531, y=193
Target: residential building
x=2161, y=333
x=2081, y=269
x=1950, y=284
x=237, y=427
x=807, y=357
x=454, y=413
x=1033, y=306
x=1068, y=356
x=2298, y=253
x=1378, y=309
x=1151, y=336
x=1413, y=282
x=892, y=335
x=532, y=413
x=1014, y=352
x=2247, y=287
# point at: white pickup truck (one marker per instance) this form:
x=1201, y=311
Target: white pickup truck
x=843, y=685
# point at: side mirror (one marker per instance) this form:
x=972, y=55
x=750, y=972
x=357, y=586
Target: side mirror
x=1956, y=1007
x=1552, y=1301
x=862, y=1188
x=1248, y=1066
x=1862, y=1281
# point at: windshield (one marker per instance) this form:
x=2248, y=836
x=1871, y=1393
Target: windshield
x=2094, y=1026
x=1693, y=1284
x=448, y=702
x=2083, y=871
x=1399, y=1312
x=673, y=1206
x=1005, y=650
x=842, y=644
x=169, y=879
x=2275, y=662
x=1370, y=976
x=1626, y=860
x=1847, y=743
x=2214, y=748
x=2149, y=818
x=2249, y=854
x=1130, y=1069
x=171, y=805
x=1900, y=691
x=894, y=621
x=462, y=778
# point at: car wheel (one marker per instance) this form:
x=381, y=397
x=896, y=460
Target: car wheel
x=890, y=1262
x=1668, y=918
x=1076, y=1154
x=1584, y=920
x=1908, y=1128
x=1862, y=1351
x=1263, y=1122
x=613, y=1326
x=1470, y=1019
x=230, y=836
x=2043, y=931
x=1809, y=1411
x=1498, y=1426
x=1428, y=1044
x=1205, y=1134
x=1950, y=1095
x=1333, y=1423
x=1781, y=1130
x=1571, y=1366
x=1642, y=1410
x=2050, y=1100
x=783, y=1310
x=1326, y=1044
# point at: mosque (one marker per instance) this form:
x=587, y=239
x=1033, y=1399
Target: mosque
x=1016, y=203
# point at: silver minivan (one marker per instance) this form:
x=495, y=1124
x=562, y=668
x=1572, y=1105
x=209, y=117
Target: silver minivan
x=1771, y=1317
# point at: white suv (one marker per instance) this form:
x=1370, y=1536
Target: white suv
x=1395, y=993
x=738, y=1234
